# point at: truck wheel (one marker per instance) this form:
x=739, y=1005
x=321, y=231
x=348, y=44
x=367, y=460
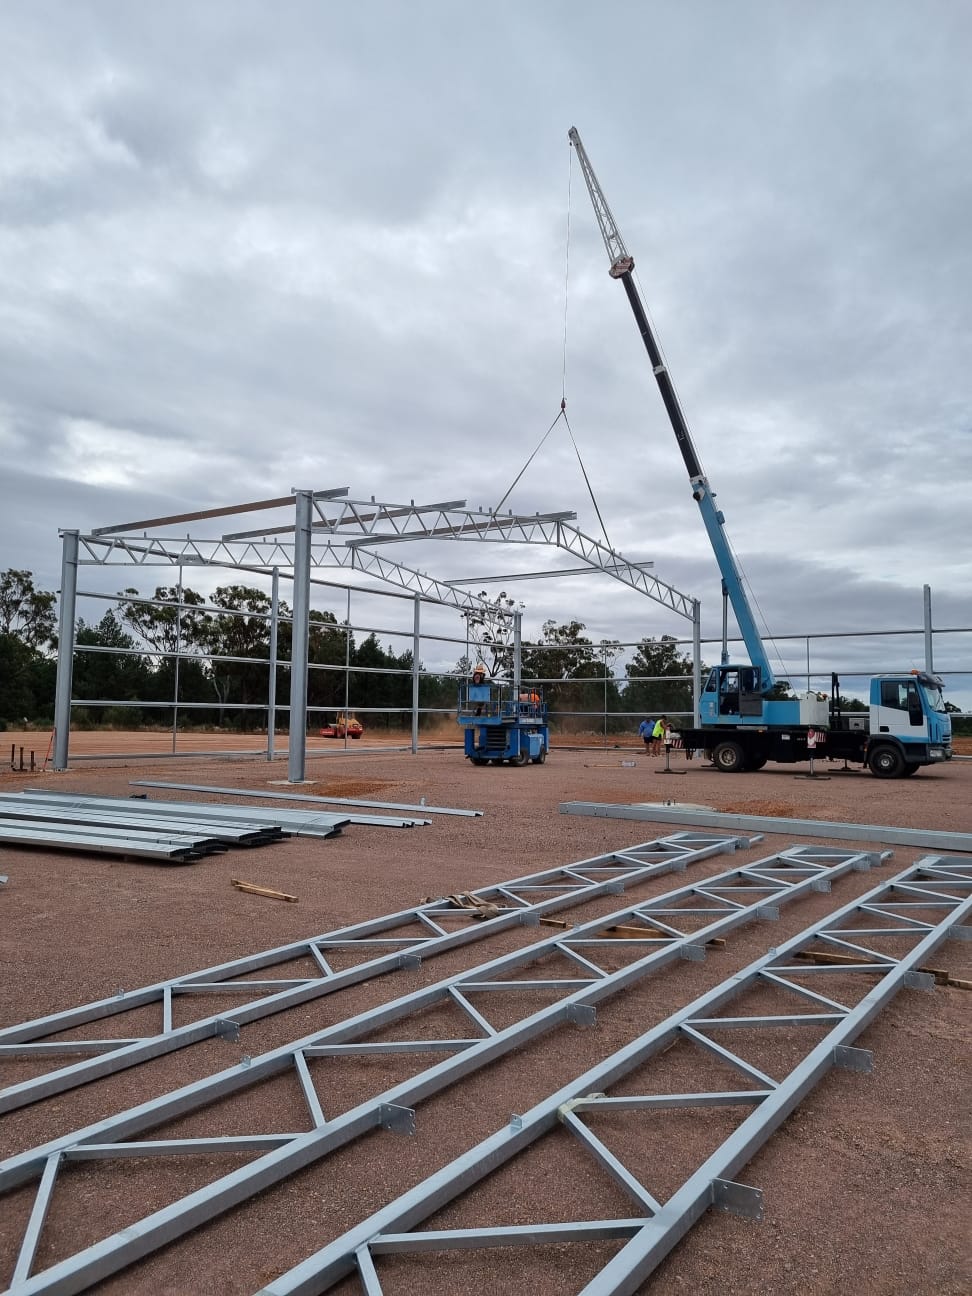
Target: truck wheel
x=538, y=760
x=728, y=757
x=886, y=762
x=477, y=760
x=520, y=758
x=909, y=769
x=756, y=762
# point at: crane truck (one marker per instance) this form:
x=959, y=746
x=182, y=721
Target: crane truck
x=741, y=723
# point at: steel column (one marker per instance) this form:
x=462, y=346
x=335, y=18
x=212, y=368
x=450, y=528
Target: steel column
x=297, y=741
x=65, y=648
x=272, y=681
x=416, y=652
x=929, y=647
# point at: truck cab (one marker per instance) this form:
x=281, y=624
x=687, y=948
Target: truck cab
x=909, y=726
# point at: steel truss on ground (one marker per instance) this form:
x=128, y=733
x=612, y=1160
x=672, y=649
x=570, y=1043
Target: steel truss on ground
x=672, y=931
x=387, y=940
x=856, y=930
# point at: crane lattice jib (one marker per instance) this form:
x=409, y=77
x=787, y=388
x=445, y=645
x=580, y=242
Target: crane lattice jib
x=620, y=258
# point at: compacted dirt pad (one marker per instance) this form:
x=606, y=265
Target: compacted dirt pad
x=866, y=1185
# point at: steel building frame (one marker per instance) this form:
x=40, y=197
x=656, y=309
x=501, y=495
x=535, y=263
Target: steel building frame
x=658, y=1226
x=337, y=532
x=718, y=903
x=391, y=943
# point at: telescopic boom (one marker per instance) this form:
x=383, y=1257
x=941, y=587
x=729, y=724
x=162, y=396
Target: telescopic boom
x=622, y=265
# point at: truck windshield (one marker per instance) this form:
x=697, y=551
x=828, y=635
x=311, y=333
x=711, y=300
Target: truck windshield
x=934, y=695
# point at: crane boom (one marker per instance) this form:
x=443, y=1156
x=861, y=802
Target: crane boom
x=622, y=265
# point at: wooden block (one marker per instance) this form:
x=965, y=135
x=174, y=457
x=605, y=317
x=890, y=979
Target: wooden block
x=251, y=888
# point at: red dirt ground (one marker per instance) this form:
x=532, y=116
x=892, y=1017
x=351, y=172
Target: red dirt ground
x=865, y=1186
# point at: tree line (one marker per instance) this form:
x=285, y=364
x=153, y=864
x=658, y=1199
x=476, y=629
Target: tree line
x=130, y=656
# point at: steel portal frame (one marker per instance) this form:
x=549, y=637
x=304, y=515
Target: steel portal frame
x=337, y=532
x=718, y=903
x=388, y=939
x=657, y=1227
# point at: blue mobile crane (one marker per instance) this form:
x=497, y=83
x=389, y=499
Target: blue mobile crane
x=741, y=725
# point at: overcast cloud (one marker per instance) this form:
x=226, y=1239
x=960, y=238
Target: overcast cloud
x=249, y=246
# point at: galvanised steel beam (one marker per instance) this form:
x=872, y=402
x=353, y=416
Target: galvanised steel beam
x=359, y=515
x=774, y=881
x=934, y=883
x=129, y=843
x=140, y=819
x=228, y=510
x=392, y=940
x=301, y=796
x=296, y=823
x=920, y=838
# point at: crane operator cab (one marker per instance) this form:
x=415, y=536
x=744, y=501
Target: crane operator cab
x=731, y=692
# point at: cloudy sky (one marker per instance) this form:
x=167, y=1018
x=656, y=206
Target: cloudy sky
x=248, y=247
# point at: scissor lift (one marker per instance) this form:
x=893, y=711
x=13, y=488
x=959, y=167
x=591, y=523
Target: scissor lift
x=502, y=724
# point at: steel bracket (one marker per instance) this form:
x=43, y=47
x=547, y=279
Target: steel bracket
x=853, y=1059
x=581, y=1014
x=615, y=887
x=768, y=913
x=401, y=1120
x=409, y=961
x=529, y=919
x=821, y=884
x=960, y=932
x=228, y=1030
x=692, y=953
x=737, y=1199
x=919, y=981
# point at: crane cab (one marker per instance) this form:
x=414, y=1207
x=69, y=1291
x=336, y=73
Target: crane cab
x=735, y=697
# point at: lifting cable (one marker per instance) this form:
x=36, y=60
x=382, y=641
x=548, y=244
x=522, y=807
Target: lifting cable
x=562, y=413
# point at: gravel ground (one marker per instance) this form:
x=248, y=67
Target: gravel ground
x=866, y=1184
